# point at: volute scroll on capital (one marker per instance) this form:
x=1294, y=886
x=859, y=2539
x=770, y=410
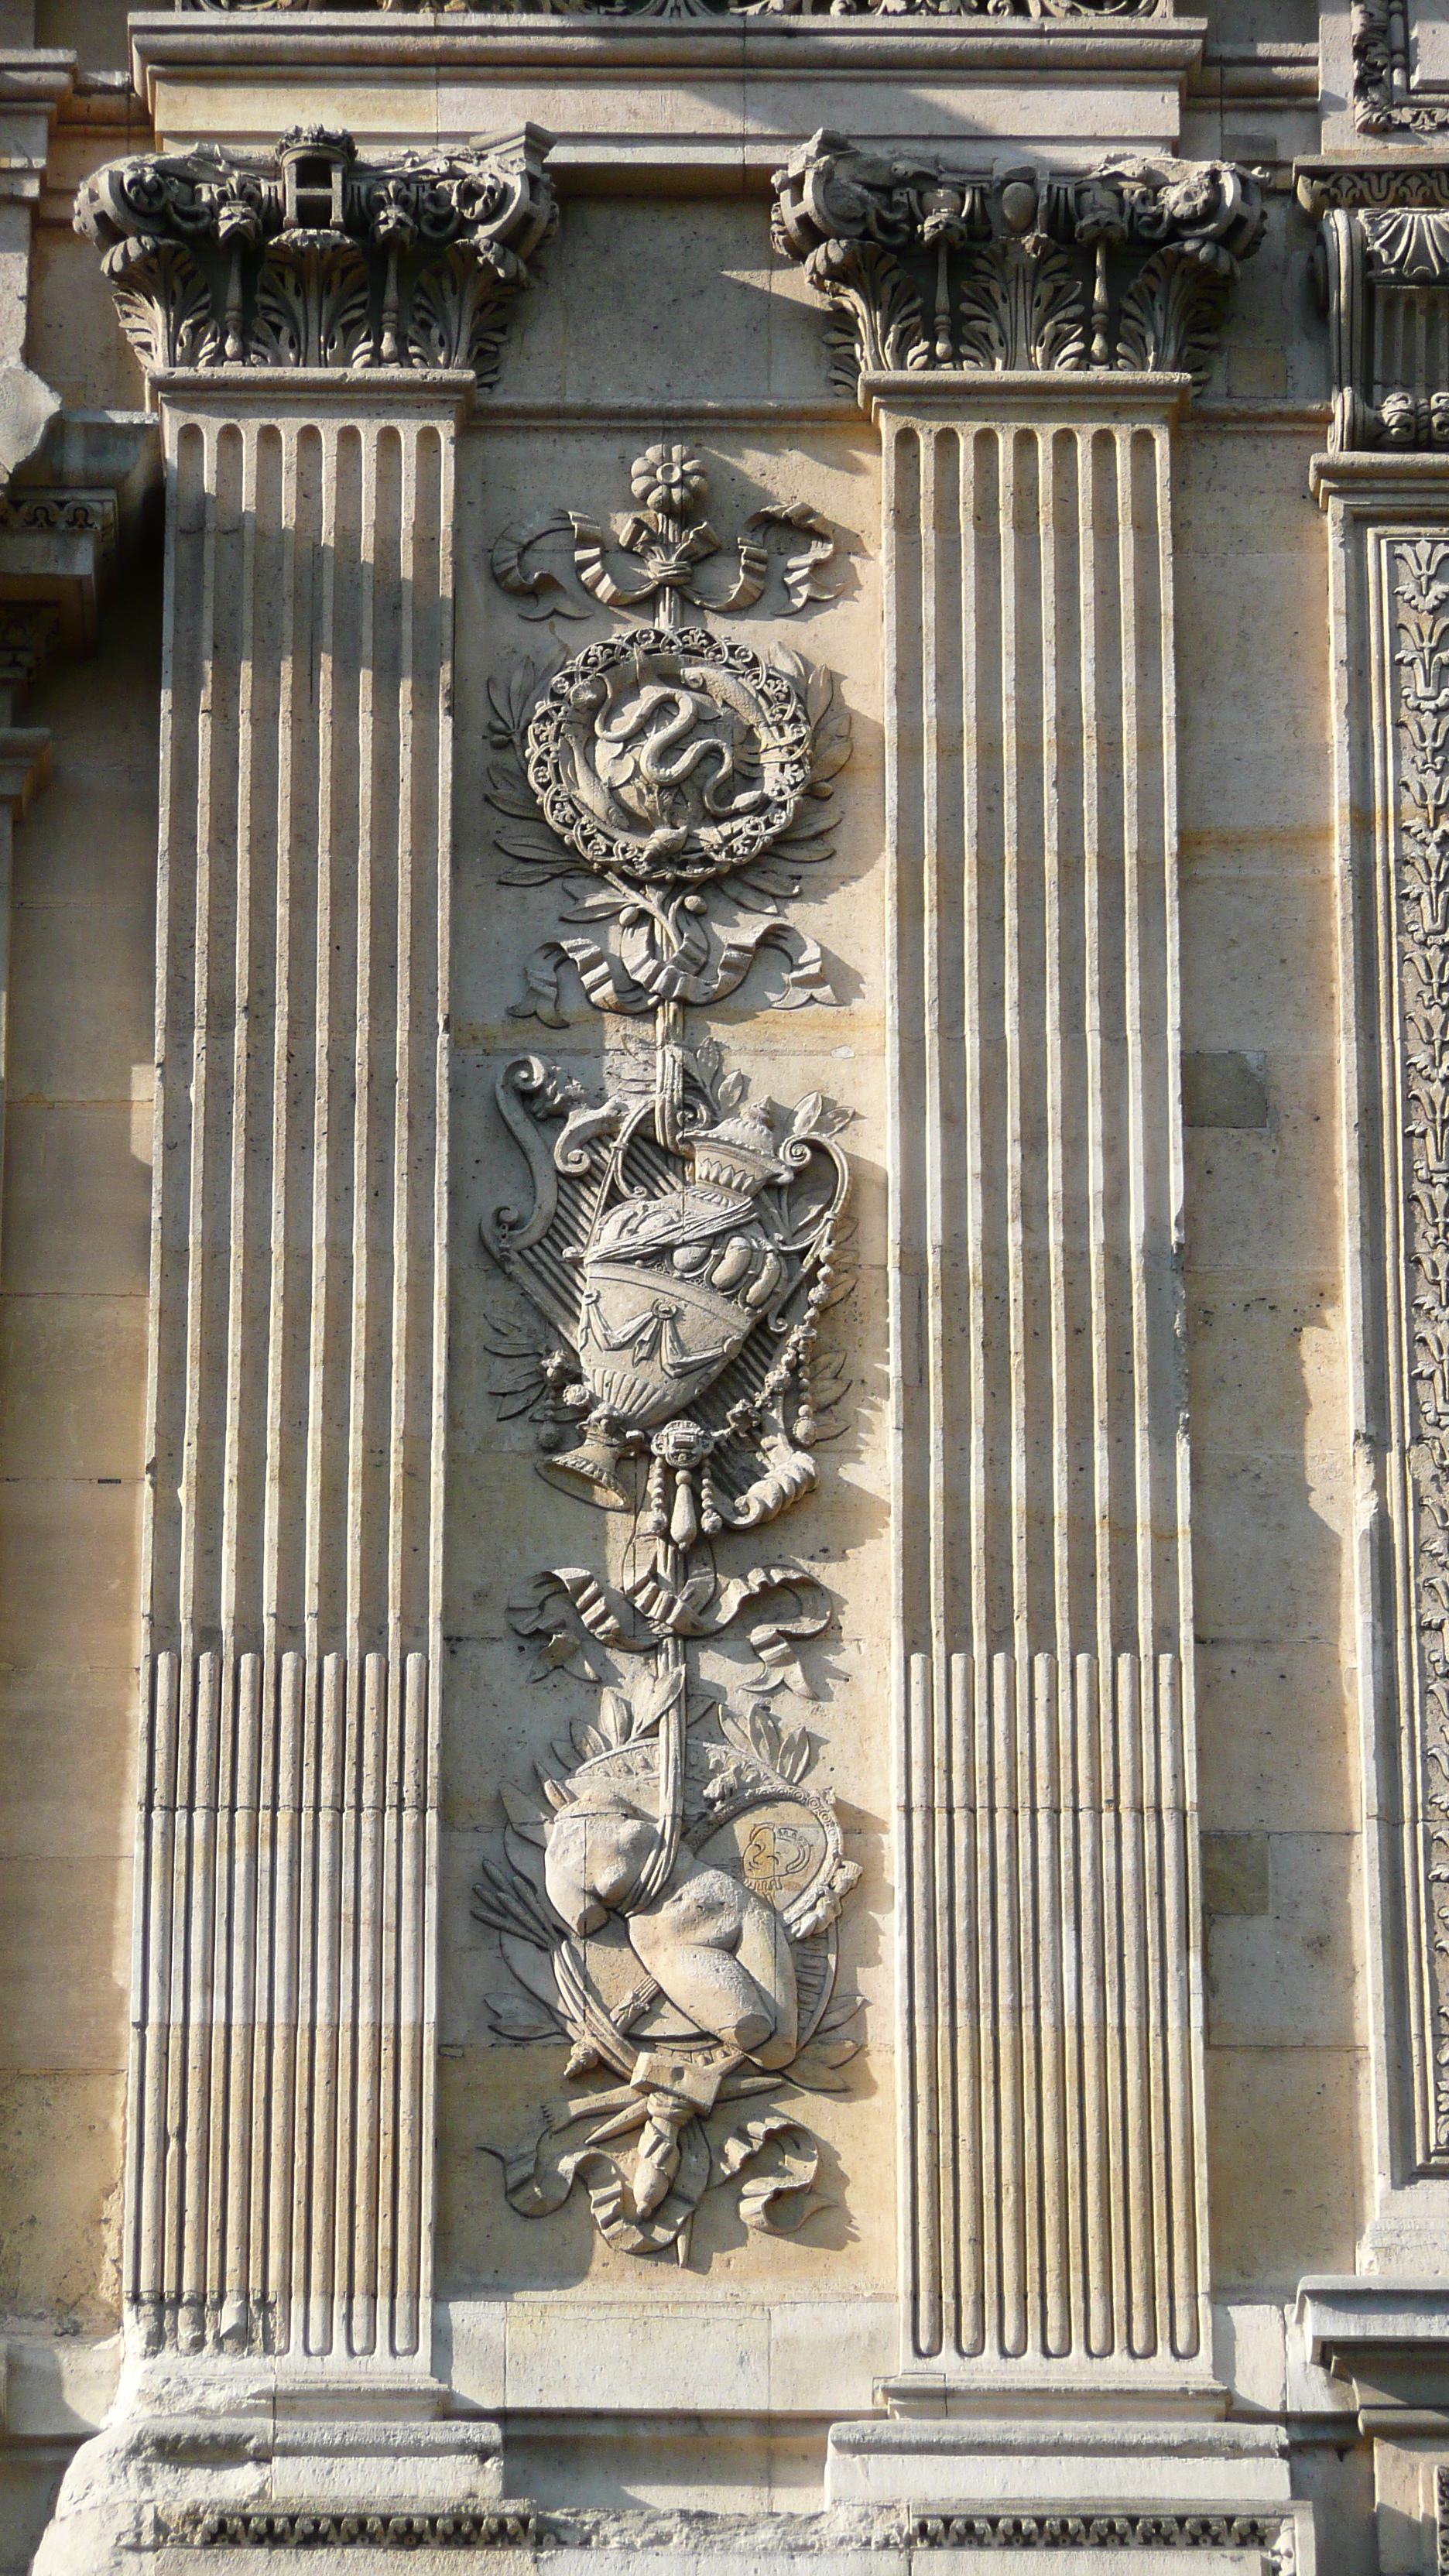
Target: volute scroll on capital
x=307, y=255
x=1381, y=267
x=1126, y=268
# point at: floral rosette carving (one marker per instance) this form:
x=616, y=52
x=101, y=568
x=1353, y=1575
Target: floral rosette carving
x=670, y=1908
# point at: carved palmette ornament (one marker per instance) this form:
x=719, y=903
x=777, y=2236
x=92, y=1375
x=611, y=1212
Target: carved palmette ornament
x=670, y=1907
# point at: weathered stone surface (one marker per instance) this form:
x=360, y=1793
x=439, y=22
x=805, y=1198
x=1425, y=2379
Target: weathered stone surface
x=822, y=2010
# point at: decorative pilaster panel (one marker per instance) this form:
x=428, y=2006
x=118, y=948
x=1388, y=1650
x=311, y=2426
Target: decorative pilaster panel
x=1050, y=2017
x=315, y=326
x=1389, y=559
x=282, y=2080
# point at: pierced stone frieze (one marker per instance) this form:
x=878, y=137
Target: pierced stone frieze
x=1381, y=264
x=1127, y=268
x=664, y=546
x=1049, y=9
x=308, y=256
x=669, y=1904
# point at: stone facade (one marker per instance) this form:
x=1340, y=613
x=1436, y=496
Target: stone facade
x=724, y=1285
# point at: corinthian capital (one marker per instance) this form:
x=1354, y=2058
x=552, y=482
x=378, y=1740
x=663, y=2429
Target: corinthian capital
x=1382, y=266
x=1128, y=267
x=309, y=256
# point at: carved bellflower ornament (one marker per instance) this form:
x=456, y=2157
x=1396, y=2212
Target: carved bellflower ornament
x=671, y=1909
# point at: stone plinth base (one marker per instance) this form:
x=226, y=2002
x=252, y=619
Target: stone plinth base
x=1038, y=2465
x=221, y=2457
x=1083, y=2491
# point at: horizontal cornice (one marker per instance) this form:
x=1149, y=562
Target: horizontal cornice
x=323, y=46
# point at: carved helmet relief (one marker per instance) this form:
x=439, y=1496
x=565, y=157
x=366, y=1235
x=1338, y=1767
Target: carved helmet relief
x=671, y=1904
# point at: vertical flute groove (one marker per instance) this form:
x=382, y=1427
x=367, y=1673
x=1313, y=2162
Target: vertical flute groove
x=1051, y=2069
x=281, y=2145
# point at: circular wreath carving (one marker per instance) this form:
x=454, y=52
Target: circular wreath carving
x=669, y=756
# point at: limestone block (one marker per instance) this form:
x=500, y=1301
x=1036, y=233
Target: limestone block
x=1287, y=1975
x=27, y=404
x=697, y=2360
x=66, y=1999
x=84, y=1008
x=68, y=1563
x=63, y=2384
x=67, y=1760
x=77, y=1203
x=1275, y=2211
x=1276, y=1742
x=71, y=1375
x=60, y=2144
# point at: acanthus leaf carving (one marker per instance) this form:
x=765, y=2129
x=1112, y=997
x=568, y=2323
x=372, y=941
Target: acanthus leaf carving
x=1381, y=264
x=1127, y=267
x=309, y=256
x=668, y=1893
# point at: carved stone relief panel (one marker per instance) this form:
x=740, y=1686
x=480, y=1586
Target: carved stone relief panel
x=675, y=9
x=668, y=1889
x=1400, y=81
x=674, y=1902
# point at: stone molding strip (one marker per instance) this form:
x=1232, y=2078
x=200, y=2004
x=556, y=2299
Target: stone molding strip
x=504, y=2527
x=1100, y=2531
x=1151, y=50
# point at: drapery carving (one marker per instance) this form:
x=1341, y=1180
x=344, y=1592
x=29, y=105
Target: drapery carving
x=309, y=256
x=1126, y=269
